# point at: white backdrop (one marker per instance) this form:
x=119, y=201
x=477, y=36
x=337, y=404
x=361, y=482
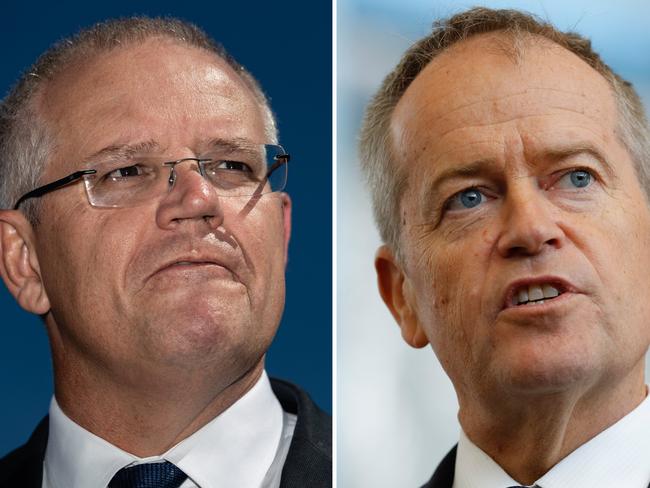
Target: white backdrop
x=396, y=409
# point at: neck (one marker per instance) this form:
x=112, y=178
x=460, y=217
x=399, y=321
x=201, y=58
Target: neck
x=150, y=419
x=528, y=436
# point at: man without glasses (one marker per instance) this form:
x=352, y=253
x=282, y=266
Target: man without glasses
x=509, y=172
x=150, y=231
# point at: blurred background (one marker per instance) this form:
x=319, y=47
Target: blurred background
x=396, y=409
x=289, y=49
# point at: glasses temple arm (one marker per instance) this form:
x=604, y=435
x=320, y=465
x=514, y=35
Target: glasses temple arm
x=279, y=161
x=42, y=190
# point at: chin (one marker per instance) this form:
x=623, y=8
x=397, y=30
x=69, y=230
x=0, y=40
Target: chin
x=194, y=336
x=545, y=372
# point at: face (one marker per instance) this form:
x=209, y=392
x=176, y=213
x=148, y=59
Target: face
x=188, y=279
x=524, y=228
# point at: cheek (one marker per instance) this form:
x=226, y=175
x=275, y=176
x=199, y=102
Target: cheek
x=613, y=246
x=72, y=281
x=449, y=296
x=260, y=234
x=616, y=243
x=626, y=258
x=91, y=254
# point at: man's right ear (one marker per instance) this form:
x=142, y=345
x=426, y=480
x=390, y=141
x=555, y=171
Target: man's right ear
x=19, y=265
x=398, y=295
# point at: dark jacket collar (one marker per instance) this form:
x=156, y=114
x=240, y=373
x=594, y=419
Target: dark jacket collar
x=308, y=463
x=444, y=474
x=24, y=466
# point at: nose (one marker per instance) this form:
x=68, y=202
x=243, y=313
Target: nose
x=529, y=224
x=191, y=198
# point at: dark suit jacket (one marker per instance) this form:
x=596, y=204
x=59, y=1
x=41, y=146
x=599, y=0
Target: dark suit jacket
x=308, y=463
x=444, y=474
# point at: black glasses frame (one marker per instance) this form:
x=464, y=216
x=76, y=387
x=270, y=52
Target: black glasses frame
x=77, y=175
x=55, y=185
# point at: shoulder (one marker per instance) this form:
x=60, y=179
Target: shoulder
x=24, y=465
x=444, y=474
x=309, y=461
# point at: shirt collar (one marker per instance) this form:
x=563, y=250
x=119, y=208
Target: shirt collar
x=475, y=469
x=615, y=457
x=234, y=449
x=618, y=456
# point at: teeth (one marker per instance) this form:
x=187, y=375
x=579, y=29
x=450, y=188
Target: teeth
x=550, y=291
x=523, y=296
x=536, y=293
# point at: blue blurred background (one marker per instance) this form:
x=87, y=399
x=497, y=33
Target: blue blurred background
x=396, y=409
x=288, y=47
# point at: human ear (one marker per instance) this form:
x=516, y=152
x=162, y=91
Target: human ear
x=398, y=295
x=286, y=214
x=19, y=265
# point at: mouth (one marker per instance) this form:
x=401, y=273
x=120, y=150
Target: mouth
x=193, y=263
x=535, y=292
x=189, y=266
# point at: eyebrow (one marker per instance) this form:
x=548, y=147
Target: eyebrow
x=128, y=150
x=579, y=149
x=236, y=144
x=124, y=150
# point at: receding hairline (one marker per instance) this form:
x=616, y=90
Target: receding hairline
x=511, y=45
x=89, y=56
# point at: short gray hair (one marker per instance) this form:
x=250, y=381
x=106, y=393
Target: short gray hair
x=26, y=141
x=388, y=181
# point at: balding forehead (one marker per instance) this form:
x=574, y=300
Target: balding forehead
x=161, y=63
x=488, y=67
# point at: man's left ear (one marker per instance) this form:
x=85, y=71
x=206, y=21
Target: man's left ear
x=19, y=266
x=286, y=213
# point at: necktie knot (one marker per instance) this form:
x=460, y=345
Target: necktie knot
x=151, y=475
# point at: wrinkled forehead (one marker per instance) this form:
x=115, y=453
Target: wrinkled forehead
x=148, y=91
x=492, y=78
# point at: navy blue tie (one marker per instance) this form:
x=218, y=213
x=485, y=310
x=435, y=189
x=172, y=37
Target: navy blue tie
x=152, y=475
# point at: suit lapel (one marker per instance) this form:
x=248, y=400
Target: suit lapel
x=24, y=466
x=309, y=461
x=444, y=474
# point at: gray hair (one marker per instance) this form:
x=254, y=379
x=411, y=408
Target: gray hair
x=388, y=181
x=26, y=142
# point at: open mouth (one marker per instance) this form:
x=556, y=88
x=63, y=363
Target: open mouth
x=534, y=294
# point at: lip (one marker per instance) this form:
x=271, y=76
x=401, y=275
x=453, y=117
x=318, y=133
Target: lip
x=565, y=287
x=193, y=263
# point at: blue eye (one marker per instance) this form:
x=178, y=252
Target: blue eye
x=578, y=178
x=468, y=198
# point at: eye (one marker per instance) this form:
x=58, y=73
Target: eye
x=233, y=166
x=578, y=178
x=126, y=172
x=468, y=198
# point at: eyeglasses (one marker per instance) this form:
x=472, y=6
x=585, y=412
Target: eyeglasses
x=234, y=170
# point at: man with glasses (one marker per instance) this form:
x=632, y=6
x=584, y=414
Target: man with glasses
x=509, y=171
x=149, y=230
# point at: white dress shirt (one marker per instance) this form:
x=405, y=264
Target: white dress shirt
x=245, y=446
x=618, y=457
